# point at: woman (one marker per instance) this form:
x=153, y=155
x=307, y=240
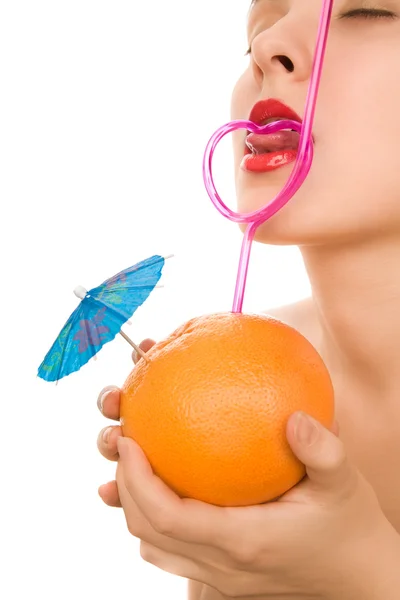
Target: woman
x=337, y=534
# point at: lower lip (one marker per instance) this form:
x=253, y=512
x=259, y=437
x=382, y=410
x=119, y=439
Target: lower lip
x=263, y=163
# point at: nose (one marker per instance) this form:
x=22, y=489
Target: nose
x=283, y=50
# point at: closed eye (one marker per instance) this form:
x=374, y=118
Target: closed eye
x=365, y=13
x=368, y=13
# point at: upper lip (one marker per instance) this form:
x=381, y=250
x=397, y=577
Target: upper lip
x=272, y=110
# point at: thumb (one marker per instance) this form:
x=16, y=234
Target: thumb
x=322, y=453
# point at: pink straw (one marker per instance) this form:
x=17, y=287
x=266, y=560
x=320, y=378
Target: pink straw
x=301, y=168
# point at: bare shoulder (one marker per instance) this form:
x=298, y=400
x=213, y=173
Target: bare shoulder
x=299, y=315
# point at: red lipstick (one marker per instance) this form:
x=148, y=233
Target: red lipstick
x=267, y=152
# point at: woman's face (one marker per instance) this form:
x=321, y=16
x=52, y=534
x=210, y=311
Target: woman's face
x=353, y=189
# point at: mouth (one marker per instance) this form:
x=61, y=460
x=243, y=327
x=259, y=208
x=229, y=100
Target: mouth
x=267, y=152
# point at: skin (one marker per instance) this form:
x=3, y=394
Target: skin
x=345, y=219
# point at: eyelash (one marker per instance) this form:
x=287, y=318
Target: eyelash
x=366, y=13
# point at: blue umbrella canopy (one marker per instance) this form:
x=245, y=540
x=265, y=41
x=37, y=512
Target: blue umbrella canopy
x=99, y=317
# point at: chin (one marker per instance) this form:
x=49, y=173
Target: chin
x=326, y=210
x=306, y=224
x=255, y=191
x=299, y=222
x=286, y=228
x=312, y=218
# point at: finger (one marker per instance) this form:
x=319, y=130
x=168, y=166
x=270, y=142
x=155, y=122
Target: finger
x=185, y=519
x=172, y=563
x=145, y=346
x=322, y=453
x=140, y=528
x=108, y=402
x=108, y=492
x=107, y=442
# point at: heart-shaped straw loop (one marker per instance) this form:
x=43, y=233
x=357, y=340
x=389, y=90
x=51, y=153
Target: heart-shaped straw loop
x=300, y=170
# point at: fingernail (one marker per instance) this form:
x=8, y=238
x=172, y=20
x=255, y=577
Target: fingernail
x=106, y=434
x=306, y=430
x=101, y=398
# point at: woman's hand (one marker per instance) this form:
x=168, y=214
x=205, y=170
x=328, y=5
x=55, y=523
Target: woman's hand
x=108, y=403
x=310, y=543
x=319, y=540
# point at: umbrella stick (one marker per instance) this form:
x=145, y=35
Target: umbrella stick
x=138, y=350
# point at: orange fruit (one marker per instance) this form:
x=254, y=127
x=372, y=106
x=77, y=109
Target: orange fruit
x=209, y=408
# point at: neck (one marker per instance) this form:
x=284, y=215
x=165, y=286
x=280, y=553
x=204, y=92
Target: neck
x=356, y=293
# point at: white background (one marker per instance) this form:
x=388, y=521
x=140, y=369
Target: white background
x=105, y=110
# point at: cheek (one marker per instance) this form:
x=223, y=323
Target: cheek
x=359, y=146
x=357, y=102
